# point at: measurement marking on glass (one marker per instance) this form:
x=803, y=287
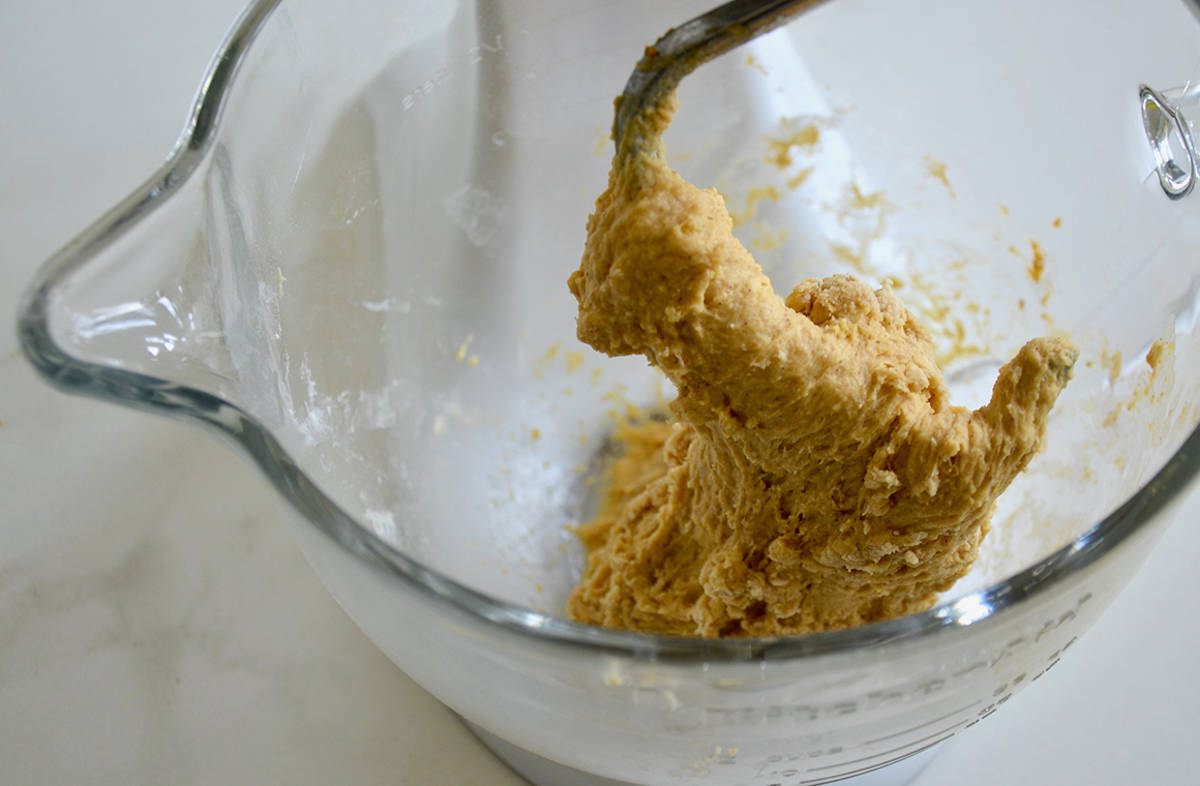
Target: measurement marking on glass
x=873, y=767
x=950, y=714
x=947, y=731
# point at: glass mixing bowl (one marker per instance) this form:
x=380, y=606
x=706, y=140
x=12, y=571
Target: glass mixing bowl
x=353, y=267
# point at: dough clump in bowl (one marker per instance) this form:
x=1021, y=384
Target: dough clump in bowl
x=814, y=474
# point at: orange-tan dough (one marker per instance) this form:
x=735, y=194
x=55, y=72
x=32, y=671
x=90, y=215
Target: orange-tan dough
x=814, y=474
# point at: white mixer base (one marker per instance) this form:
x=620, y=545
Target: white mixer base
x=543, y=772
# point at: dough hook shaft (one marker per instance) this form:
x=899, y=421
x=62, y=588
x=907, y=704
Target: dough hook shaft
x=681, y=49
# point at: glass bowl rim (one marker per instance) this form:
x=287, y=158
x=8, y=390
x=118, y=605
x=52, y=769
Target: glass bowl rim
x=973, y=611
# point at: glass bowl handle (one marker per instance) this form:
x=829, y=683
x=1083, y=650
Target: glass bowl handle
x=1169, y=132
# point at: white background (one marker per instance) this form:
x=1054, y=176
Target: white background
x=157, y=624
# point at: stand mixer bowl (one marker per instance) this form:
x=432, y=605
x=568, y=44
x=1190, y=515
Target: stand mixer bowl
x=353, y=268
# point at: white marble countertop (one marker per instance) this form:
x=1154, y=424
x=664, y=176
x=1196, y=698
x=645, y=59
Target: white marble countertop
x=157, y=624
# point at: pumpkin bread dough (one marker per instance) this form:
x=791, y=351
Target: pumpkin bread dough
x=814, y=474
